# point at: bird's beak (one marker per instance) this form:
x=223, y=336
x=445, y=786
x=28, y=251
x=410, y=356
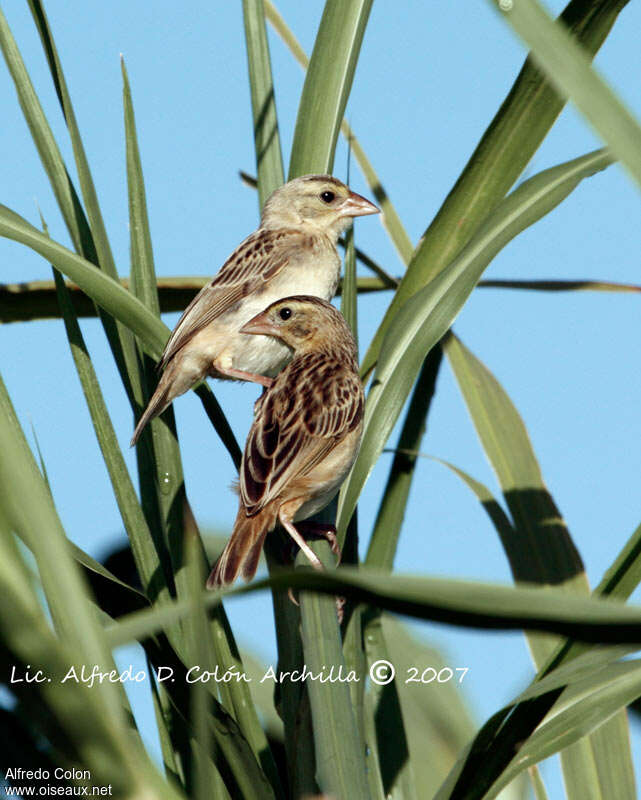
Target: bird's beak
x=355, y=205
x=260, y=324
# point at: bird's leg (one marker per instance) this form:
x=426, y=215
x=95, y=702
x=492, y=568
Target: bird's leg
x=311, y=555
x=329, y=532
x=222, y=364
x=324, y=529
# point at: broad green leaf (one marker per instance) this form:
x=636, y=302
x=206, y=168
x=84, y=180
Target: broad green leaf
x=92, y=243
x=389, y=217
x=540, y=549
x=269, y=160
x=340, y=766
x=110, y=295
x=198, y=633
x=426, y=317
x=146, y=555
x=387, y=527
x=437, y=718
x=328, y=82
x=457, y=602
x=105, y=291
x=538, y=786
x=100, y=729
x=514, y=135
x=386, y=730
x=567, y=66
x=583, y=707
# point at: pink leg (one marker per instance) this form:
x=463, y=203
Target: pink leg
x=311, y=556
x=324, y=529
x=241, y=375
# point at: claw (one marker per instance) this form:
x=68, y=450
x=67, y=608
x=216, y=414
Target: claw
x=324, y=529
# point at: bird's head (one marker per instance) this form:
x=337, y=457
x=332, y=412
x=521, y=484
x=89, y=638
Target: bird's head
x=303, y=323
x=315, y=202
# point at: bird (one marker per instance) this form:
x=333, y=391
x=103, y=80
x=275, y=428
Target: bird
x=305, y=434
x=293, y=252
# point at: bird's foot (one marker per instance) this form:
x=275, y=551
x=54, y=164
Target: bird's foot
x=324, y=529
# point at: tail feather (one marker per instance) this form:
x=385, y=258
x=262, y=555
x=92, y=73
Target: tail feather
x=169, y=387
x=242, y=552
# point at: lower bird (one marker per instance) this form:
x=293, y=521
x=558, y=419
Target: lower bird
x=292, y=252
x=305, y=434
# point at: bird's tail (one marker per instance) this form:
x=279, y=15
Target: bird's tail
x=242, y=552
x=161, y=398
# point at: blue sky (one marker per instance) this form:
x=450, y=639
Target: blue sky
x=427, y=84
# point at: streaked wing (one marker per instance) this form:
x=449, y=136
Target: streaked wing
x=255, y=261
x=312, y=406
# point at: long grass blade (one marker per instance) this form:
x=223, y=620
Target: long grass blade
x=34, y=300
x=328, y=83
x=145, y=548
x=567, y=67
x=389, y=217
x=541, y=549
x=584, y=707
x=269, y=159
x=339, y=758
x=518, y=128
x=428, y=314
x=81, y=637
x=391, y=512
x=96, y=250
x=456, y=602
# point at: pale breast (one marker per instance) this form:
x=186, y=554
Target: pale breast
x=328, y=476
x=316, y=276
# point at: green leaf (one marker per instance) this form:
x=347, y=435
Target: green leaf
x=391, y=512
x=340, y=764
x=538, y=786
x=568, y=69
x=390, y=219
x=518, y=128
x=540, y=549
x=105, y=291
x=388, y=737
x=90, y=242
x=426, y=317
x=457, y=602
x=94, y=720
x=32, y=300
x=269, y=160
x=583, y=707
x=328, y=83
x=142, y=543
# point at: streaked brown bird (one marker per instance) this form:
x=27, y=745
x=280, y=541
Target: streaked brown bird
x=305, y=435
x=293, y=252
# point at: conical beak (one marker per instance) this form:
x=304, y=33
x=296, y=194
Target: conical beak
x=260, y=325
x=355, y=205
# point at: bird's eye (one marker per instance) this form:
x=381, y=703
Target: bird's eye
x=327, y=197
x=285, y=313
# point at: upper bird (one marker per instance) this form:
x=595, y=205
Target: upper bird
x=293, y=252
x=305, y=435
